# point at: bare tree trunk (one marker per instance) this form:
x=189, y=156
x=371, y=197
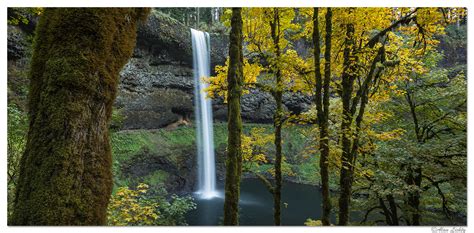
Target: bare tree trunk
x=234, y=124
x=65, y=175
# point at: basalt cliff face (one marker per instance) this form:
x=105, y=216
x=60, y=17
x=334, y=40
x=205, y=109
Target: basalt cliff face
x=156, y=87
x=155, y=96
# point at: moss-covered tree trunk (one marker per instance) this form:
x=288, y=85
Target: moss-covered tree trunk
x=234, y=124
x=348, y=78
x=322, y=106
x=278, y=159
x=65, y=174
x=278, y=118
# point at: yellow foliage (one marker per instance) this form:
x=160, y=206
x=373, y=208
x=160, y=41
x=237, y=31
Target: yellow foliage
x=386, y=136
x=404, y=49
x=218, y=84
x=311, y=222
x=255, y=152
x=254, y=144
x=131, y=207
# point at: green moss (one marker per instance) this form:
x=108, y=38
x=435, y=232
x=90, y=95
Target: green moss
x=65, y=172
x=175, y=145
x=156, y=178
x=127, y=143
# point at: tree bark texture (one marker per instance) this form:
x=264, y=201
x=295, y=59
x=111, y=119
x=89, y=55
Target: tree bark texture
x=234, y=124
x=347, y=88
x=65, y=174
x=278, y=118
x=322, y=107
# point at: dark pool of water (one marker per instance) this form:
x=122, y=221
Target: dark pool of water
x=256, y=207
x=300, y=202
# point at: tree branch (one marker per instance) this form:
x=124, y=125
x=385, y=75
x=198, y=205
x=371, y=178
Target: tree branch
x=404, y=20
x=266, y=182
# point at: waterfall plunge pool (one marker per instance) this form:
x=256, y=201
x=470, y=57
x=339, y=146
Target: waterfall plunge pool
x=299, y=202
x=256, y=205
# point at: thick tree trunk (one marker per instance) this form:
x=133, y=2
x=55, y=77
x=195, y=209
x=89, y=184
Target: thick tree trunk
x=322, y=106
x=65, y=175
x=234, y=124
x=347, y=88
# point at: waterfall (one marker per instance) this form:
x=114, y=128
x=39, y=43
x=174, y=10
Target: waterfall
x=203, y=112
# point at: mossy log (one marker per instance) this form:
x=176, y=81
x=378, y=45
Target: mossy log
x=65, y=175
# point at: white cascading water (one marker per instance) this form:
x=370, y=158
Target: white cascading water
x=203, y=112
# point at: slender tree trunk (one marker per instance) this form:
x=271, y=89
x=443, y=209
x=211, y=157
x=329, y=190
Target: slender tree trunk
x=390, y=212
x=234, y=124
x=197, y=17
x=322, y=106
x=278, y=156
x=416, y=203
x=393, y=209
x=386, y=212
x=347, y=88
x=350, y=136
x=186, y=16
x=212, y=15
x=278, y=96
x=414, y=176
x=65, y=175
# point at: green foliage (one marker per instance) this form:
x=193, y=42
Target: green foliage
x=173, y=212
x=18, y=15
x=311, y=222
x=202, y=18
x=117, y=119
x=155, y=179
x=434, y=141
x=453, y=45
x=16, y=142
x=126, y=144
